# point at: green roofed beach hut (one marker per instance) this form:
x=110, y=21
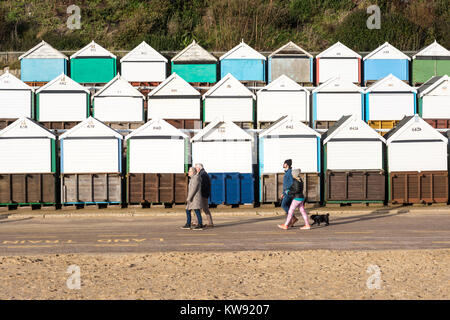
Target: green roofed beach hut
x=432, y=61
x=195, y=64
x=93, y=64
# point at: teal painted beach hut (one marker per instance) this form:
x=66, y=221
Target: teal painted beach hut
x=195, y=64
x=42, y=63
x=244, y=63
x=93, y=64
x=386, y=60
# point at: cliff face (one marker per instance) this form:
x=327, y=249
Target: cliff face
x=220, y=24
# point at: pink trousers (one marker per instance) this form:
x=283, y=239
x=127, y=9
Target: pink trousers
x=294, y=205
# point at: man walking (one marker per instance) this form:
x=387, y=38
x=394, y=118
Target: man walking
x=286, y=199
x=205, y=191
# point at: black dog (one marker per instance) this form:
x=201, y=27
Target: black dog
x=318, y=218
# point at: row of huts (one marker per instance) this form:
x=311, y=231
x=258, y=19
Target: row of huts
x=382, y=104
x=349, y=163
x=95, y=64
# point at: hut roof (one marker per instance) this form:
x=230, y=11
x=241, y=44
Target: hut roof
x=290, y=48
x=433, y=50
x=242, y=51
x=43, y=51
x=283, y=83
x=336, y=84
x=119, y=87
x=33, y=129
x=338, y=50
x=9, y=81
x=228, y=130
x=92, y=50
x=431, y=84
x=91, y=128
x=156, y=127
x=386, y=51
x=174, y=86
x=229, y=86
x=390, y=83
x=279, y=128
x=63, y=83
x=194, y=52
x=143, y=52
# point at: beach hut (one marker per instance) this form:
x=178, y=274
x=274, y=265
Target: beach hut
x=226, y=152
x=61, y=103
x=93, y=64
x=91, y=164
x=16, y=99
x=119, y=101
x=195, y=64
x=387, y=101
x=176, y=101
x=230, y=100
x=338, y=60
x=157, y=158
x=354, y=163
x=434, y=102
x=431, y=61
x=282, y=97
x=244, y=63
x=144, y=64
x=27, y=164
x=42, y=63
x=292, y=61
x=335, y=98
x=385, y=60
x=288, y=138
x=417, y=162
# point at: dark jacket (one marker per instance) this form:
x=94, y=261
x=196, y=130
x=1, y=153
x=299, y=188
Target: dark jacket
x=287, y=180
x=296, y=190
x=205, y=184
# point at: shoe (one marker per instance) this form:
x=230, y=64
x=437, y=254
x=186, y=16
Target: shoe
x=186, y=227
x=199, y=227
x=305, y=228
x=208, y=226
x=283, y=226
x=293, y=221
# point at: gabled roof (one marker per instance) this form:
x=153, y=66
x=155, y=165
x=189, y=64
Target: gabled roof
x=171, y=86
x=336, y=84
x=143, y=52
x=9, y=81
x=242, y=51
x=238, y=133
x=156, y=127
x=91, y=127
x=338, y=50
x=26, y=127
x=390, y=83
x=386, y=51
x=92, y=50
x=283, y=83
x=194, y=52
x=43, y=51
x=63, y=83
x=229, y=86
x=118, y=86
x=298, y=127
x=431, y=84
x=347, y=121
x=433, y=50
x=409, y=121
x=290, y=48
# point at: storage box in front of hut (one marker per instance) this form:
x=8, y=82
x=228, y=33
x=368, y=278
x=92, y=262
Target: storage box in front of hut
x=387, y=101
x=244, y=63
x=93, y=64
x=338, y=60
x=16, y=99
x=228, y=155
x=231, y=100
x=417, y=163
x=282, y=97
x=354, y=163
x=62, y=103
x=91, y=164
x=42, y=64
x=27, y=164
x=119, y=105
x=157, y=162
x=177, y=102
x=288, y=138
x=334, y=99
x=195, y=64
x=432, y=61
x=434, y=102
x=386, y=60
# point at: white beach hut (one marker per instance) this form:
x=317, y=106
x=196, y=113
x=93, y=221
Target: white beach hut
x=434, y=100
x=16, y=98
x=228, y=99
x=118, y=101
x=281, y=97
x=144, y=64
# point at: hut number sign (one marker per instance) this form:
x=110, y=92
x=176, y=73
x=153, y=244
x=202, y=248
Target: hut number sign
x=90, y=125
x=157, y=128
x=353, y=128
x=290, y=126
x=415, y=129
x=23, y=125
